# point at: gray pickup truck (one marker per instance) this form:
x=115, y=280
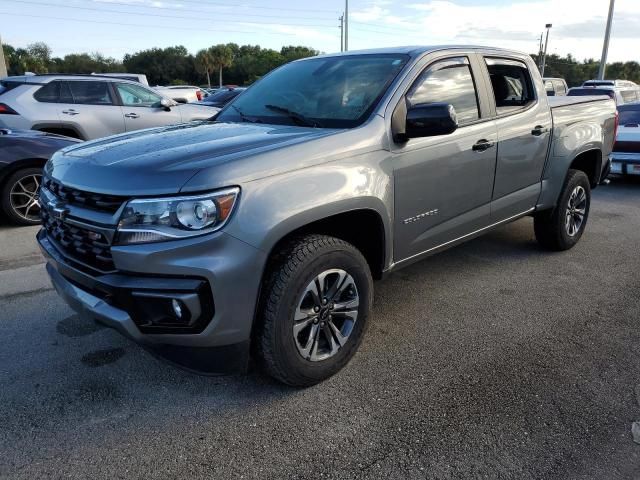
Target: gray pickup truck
x=259, y=233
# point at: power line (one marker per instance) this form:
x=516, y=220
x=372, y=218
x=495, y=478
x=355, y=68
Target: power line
x=199, y=17
x=203, y=2
x=191, y=29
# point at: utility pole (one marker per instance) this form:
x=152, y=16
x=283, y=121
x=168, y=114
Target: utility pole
x=546, y=44
x=341, y=27
x=3, y=64
x=346, y=25
x=540, y=53
x=605, y=46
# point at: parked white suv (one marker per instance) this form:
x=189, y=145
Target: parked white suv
x=183, y=93
x=88, y=106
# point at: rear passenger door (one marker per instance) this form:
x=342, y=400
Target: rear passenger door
x=443, y=184
x=142, y=109
x=89, y=107
x=524, y=126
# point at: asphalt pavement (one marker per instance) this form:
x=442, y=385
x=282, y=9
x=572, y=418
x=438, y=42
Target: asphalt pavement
x=494, y=359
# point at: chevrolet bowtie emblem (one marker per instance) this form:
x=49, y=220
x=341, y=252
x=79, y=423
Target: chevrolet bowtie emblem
x=57, y=210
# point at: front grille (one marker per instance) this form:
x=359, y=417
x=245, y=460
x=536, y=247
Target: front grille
x=87, y=247
x=95, y=201
x=627, y=147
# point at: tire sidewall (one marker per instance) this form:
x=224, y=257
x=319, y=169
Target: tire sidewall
x=5, y=200
x=285, y=347
x=576, y=179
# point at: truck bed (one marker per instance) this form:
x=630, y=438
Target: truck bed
x=564, y=101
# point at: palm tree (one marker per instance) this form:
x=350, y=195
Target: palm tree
x=221, y=57
x=204, y=61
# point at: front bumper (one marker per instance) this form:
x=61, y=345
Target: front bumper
x=228, y=269
x=625, y=163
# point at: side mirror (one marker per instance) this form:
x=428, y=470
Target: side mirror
x=167, y=103
x=430, y=120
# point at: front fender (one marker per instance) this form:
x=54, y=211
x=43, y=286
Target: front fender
x=273, y=207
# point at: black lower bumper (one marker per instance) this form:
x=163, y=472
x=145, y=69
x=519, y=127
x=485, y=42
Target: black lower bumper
x=122, y=301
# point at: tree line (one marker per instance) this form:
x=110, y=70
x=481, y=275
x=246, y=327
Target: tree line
x=240, y=65
x=228, y=64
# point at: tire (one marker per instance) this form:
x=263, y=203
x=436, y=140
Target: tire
x=295, y=326
x=561, y=228
x=20, y=196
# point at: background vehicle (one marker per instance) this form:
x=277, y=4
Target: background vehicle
x=223, y=96
x=22, y=156
x=183, y=93
x=132, y=77
x=625, y=158
x=88, y=106
x=620, y=91
x=264, y=229
x=555, y=86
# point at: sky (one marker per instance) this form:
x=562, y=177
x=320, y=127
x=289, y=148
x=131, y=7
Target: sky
x=116, y=27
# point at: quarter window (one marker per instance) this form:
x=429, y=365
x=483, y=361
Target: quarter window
x=48, y=93
x=511, y=83
x=137, y=96
x=448, y=81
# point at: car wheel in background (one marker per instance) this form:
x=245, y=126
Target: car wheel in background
x=314, y=308
x=562, y=227
x=20, y=196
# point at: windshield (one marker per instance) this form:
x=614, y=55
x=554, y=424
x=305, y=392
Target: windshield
x=629, y=114
x=333, y=92
x=582, y=92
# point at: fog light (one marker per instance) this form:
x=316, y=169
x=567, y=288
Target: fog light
x=177, y=308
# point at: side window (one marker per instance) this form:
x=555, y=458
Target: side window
x=90, y=92
x=512, y=85
x=560, y=88
x=137, y=96
x=548, y=86
x=448, y=81
x=49, y=93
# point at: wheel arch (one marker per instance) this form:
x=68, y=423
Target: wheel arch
x=20, y=165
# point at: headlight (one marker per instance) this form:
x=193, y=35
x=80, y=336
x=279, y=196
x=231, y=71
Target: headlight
x=159, y=219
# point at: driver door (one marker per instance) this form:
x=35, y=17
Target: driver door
x=443, y=183
x=141, y=108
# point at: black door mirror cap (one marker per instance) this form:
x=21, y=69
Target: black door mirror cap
x=430, y=120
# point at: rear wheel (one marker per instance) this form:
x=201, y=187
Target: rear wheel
x=562, y=227
x=315, y=305
x=20, y=196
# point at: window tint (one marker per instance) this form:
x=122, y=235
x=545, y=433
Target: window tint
x=582, y=92
x=90, y=92
x=511, y=82
x=137, y=96
x=49, y=93
x=448, y=81
x=629, y=114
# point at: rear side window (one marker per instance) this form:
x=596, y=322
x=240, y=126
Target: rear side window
x=511, y=83
x=90, y=93
x=48, y=93
x=448, y=81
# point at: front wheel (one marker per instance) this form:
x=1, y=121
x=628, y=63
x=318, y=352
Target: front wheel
x=562, y=227
x=20, y=196
x=315, y=305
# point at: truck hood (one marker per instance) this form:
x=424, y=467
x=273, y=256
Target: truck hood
x=161, y=160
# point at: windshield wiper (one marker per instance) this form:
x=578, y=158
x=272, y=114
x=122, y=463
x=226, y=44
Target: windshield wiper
x=243, y=117
x=295, y=116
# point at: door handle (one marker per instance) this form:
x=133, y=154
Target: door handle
x=71, y=111
x=539, y=130
x=131, y=115
x=482, y=145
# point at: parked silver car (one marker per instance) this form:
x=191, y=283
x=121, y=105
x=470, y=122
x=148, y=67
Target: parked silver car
x=183, y=93
x=88, y=106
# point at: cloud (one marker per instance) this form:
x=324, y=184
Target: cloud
x=578, y=25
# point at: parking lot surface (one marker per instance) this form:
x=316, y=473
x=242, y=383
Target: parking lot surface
x=494, y=359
